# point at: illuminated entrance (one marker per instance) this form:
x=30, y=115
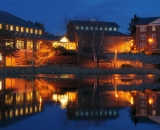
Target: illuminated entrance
x=65, y=43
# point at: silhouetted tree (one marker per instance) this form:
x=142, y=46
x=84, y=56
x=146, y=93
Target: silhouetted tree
x=132, y=27
x=41, y=25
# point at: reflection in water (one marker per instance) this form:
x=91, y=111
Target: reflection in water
x=93, y=98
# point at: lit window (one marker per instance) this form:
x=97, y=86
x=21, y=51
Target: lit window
x=153, y=36
x=20, y=44
x=96, y=28
x=100, y=28
x=31, y=30
x=0, y=56
x=27, y=30
x=40, y=31
x=17, y=28
x=153, y=112
x=77, y=27
x=0, y=85
x=22, y=29
x=142, y=28
x=7, y=27
x=91, y=28
x=153, y=28
x=115, y=29
x=36, y=31
x=105, y=28
x=143, y=37
x=82, y=28
x=11, y=28
x=0, y=26
x=87, y=28
x=110, y=29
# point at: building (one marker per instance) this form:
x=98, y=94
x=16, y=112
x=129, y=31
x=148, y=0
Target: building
x=147, y=34
x=84, y=32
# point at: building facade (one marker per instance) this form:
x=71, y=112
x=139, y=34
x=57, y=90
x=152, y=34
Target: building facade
x=147, y=35
x=85, y=33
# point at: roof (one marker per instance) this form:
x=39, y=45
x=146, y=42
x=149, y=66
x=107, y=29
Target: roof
x=98, y=33
x=146, y=20
x=7, y=18
x=89, y=23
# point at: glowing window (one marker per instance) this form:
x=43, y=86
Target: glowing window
x=36, y=31
x=91, y=28
x=153, y=28
x=11, y=28
x=22, y=29
x=20, y=44
x=87, y=28
x=7, y=27
x=21, y=111
x=27, y=30
x=0, y=26
x=110, y=29
x=77, y=27
x=16, y=112
x=0, y=85
x=153, y=112
x=26, y=110
x=96, y=28
x=100, y=28
x=17, y=28
x=31, y=30
x=115, y=29
x=40, y=31
x=105, y=28
x=82, y=27
x=0, y=56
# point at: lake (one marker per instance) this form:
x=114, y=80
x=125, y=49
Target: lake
x=88, y=102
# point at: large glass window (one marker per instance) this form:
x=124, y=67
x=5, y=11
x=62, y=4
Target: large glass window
x=29, y=45
x=20, y=44
x=153, y=36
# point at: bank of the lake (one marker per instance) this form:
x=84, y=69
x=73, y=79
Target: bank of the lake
x=74, y=70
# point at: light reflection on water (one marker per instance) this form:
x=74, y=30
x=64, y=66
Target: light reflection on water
x=84, y=98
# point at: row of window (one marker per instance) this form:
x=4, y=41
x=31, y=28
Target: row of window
x=143, y=28
x=142, y=45
x=22, y=29
x=143, y=36
x=96, y=28
x=144, y=112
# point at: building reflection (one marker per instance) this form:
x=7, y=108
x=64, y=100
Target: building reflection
x=18, y=100
x=84, y=97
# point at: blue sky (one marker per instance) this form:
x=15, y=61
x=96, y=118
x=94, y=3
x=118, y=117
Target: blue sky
x=52, y=12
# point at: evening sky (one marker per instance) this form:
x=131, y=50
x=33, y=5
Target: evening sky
x=52, y=12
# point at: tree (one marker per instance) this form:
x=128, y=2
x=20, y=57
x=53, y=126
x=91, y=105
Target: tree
x=7, y=47
x=41, y=25
x=132, y=27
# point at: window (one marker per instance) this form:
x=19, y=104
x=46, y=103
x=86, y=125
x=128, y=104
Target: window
x=7, y=27
x=36, y=31
x=82, y=27
x=96, y=28
x=153, y=36
x=91, y=28
x=27, y=30
x=31, y=30
x=101, y=28
x=77, y=27
x=20, y=44
x=40, y=31
x=153, y=28
x=142, y=103
x=0, y=56
x=153, y=112
x=143, y=111
x=142, y=95
x=105, y=28
x=142, y=45
x=110, y=29
x=87, y=28
x=154, y=105
x=154, y=96
x=143, y=37
x=17, y=28
x=153, y=45
x=11, y=28
x=0, y=26
x=142, y=28
x=115, y=29
x=0, y=85
x=22, y=29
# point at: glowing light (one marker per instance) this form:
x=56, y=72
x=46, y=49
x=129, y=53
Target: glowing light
x=150, y=40
x=150, y=101
x=116, y=95
x=40, y=99
x=132, y=100
x=63, y=102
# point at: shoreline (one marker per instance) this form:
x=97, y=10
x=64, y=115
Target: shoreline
x=74, y=70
